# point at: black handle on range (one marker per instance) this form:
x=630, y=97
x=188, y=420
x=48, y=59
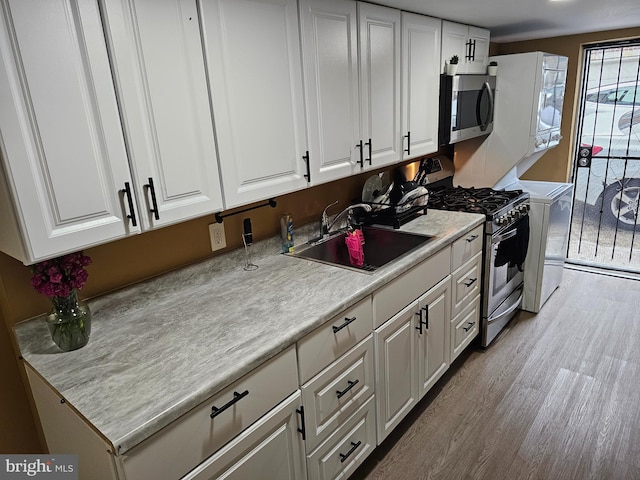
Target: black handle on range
x=369, y=159
x=215, y=411
x=154, y=203
x=408, y=137
x=347, y=321
x=127, y=193
x=354, y=446
x=341, y=393
x=303, y=430
x=305, y=157
x=361, y=161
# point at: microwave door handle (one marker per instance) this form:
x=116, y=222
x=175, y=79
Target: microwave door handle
x=485, y=124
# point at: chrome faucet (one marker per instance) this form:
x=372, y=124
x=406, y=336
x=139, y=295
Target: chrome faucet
x=325, y=226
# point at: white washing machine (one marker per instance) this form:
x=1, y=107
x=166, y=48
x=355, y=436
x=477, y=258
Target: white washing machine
x=549, y=221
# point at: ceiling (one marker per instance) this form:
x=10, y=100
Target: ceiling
x=515, y=20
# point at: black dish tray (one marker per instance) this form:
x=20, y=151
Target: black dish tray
x=387, y=215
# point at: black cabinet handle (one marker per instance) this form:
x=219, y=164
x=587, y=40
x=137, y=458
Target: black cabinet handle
x=127, y=193
x=369, y=145
x=154, y=203
x=303, y=430
x=408, y=137
x=472, y=238
x=423, y=321
x=469, y=326
x=347, y=321
x=215, y=411
x=361, y=161
x=468, y=55
x=354, y=446
x=341, y=394
x=305, y=157
x=470, y=282
x=473, y=54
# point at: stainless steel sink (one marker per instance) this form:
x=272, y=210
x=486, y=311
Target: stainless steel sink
x=381, y=246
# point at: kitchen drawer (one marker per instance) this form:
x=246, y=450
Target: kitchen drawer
x=185, y=443
x=328, y=342
x=466, y=284
x=464, y=328
x=399, y=293
x=336, y=392
x=466, y=247
x=347, y=448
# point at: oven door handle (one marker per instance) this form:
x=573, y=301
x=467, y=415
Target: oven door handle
x=506, y=236
x=508, y=311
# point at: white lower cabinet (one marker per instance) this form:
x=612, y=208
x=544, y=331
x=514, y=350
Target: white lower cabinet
x=412, y=353
x=272, y=448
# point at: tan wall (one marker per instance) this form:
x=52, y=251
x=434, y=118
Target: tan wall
x=556, y=164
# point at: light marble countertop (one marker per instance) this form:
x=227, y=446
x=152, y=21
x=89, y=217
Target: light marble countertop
x=163, y=346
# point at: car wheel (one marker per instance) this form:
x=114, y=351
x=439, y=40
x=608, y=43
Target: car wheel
x=620, y=204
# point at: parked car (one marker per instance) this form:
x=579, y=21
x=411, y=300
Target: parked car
x=611, y=124
x=612, y=119
x=613, y=184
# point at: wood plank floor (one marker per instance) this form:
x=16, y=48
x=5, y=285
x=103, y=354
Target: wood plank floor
x=557, y=396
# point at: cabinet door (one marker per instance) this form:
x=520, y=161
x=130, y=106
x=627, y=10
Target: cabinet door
x=396, y=369
x=420, y=83
x=379, y=32
x=255, y=73
x=330, y=58
x=479, y=37
x=160, y=76
x=433, y=335
x=63, y=146
x=271, y=448
x=454, y=42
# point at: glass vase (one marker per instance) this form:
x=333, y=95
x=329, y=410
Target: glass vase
x=69, y=322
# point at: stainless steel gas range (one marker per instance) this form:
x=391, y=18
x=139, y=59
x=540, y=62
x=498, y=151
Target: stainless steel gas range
x=505, y=243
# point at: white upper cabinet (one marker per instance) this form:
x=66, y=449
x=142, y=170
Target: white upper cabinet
x=470, y=44
x=330, y=59
x=252, y=51
x=64, y=157
x=160, y=78
x=420, y=84
x=379, y=32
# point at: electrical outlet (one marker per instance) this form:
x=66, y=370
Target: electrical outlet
x=216, y=233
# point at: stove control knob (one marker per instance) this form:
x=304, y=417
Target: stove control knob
x=501, y=220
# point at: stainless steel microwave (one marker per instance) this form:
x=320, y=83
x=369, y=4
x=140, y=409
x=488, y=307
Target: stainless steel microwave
x=466, y=107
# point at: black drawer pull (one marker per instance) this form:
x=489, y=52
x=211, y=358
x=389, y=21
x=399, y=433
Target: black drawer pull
x=215, y=411
x=354, y=446
x=341, y=394
x=154, y=203
x=347, y=321
x=469, y=326
x=472, y=238
x=470, y=282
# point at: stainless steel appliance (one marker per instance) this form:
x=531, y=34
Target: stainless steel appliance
x=505, y=244
x=550, y=216
x=466, y=107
